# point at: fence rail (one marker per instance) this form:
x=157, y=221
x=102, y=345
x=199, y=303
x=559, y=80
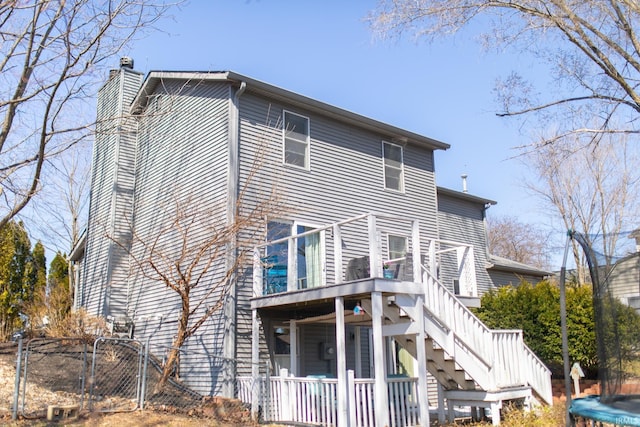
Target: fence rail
x=313, y=399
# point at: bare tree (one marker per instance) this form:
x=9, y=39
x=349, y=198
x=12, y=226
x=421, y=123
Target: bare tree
x=53, y=55
x=592, y=188
x=591, y=50
x=512, y=239
x=197, y=251
x=59, y=215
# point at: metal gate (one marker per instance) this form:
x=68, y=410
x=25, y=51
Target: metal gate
x=71, y=373
x=116, y=373
x=53, y=372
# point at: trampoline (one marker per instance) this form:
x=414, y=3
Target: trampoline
x=623, y=412
x=615, y=276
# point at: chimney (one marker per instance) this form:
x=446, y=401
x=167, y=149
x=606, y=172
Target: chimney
x=464, y=182
x=126, y=62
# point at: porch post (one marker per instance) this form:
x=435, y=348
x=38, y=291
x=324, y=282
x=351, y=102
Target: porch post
x=337, y=254
x=375, y=256
x=415, y=252
x=357, y=338
x=293, y=347
x=255, y=364
x=380, y=393
x=342, y=363
x=421, y=352
x=255, y=337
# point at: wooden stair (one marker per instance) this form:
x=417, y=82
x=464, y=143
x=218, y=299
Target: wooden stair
x=474, y=365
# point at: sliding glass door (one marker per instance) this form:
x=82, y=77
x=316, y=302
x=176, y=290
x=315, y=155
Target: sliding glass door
x=309, y=259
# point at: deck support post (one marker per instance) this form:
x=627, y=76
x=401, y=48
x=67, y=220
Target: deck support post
x=255, y=361
x=441, y=413
x=380, y=393
x=293, y=346
x=421, y=352
x=342, y=363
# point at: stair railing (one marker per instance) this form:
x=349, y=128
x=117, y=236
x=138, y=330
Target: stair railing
x=512, y=362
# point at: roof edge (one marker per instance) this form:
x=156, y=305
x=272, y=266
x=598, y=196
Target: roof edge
x=394, y=133
x=466, y=196
x=504, y=264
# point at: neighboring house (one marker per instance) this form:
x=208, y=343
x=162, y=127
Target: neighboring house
x=317, y=302
x=624, y=280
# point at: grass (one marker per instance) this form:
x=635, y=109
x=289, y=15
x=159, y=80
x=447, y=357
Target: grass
x=547, y=416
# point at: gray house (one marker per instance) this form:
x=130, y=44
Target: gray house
x=462, y=218
x=364, y=260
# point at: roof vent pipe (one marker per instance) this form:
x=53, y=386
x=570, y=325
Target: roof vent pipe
x=126, y=62
x=464, y=182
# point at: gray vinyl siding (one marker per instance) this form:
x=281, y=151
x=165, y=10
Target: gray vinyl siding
x=505, y=278
x=462, y=221
x=182, y=161
x=624, y=280
x=105, y=269
x=345, y=178
x=181, y=153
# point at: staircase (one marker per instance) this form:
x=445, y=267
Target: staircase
x=475, y=366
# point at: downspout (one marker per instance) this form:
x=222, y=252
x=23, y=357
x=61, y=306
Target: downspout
x=231, y=299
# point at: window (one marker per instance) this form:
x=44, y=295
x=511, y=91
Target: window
x=397, y=246
x=296, y=140
x=393, y=166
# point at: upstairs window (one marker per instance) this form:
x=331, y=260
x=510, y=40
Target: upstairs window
x=393, y=166
x=296, y=140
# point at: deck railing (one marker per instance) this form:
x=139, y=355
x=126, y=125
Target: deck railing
x=347, y=250
x=313, y=400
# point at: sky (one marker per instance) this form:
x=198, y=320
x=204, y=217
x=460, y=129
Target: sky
x=326, y=50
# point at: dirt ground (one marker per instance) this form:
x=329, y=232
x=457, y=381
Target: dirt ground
x=212, y=413
x=128, y=419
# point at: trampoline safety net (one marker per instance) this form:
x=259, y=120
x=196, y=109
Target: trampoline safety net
x=614, y=265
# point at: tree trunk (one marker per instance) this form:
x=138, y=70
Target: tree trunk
x=174, y=352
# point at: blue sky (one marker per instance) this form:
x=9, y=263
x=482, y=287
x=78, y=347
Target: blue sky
x=326, y=50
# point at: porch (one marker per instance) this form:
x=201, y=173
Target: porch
x=314, y=400
x=375, y=272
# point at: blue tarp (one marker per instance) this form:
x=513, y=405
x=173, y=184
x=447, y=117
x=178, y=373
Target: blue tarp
x=590, y=407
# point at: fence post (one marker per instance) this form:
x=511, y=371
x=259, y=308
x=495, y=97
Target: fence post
x=285, y=405
x=143, y=387
x=351, y=398
x=16, y=390
x=92, y=378
x=267, y=394
x=83, y=380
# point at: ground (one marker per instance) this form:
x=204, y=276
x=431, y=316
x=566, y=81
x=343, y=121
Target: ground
x=207, y=414
x=212, y=412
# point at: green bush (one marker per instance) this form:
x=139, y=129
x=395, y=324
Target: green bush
x=536, y=310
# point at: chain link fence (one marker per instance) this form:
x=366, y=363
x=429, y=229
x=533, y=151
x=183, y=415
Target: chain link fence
x=62, y=378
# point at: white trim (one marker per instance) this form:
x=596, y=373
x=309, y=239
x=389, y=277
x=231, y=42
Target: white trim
x=384, y=167
x=307, y=155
